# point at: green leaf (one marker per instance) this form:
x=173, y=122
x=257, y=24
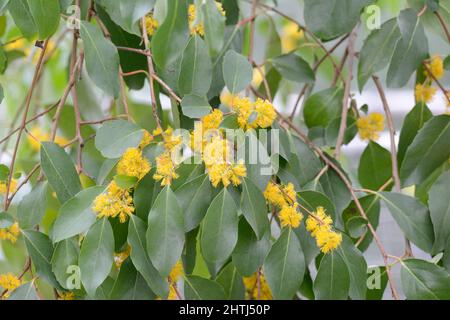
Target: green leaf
x=284, y=266
x=249, y=254
x=197, y=288
x=412, y=217
x=165, y=234
x=196, y=68
x=129, y=285
x=254, y=208
x=46, y=16
x=333, y=280
x=422, y=280
x=195, y=106
x=76, y=215
x=115, y=137
x=440, y=211
x=303, y=162
x=375, y=166
x=357, y=268
x=377, y=281
x=40, y=249
x=6, y=220
x=21, y=14
x=220, y=228
x=335, y=189
x=102, y=59
x=311, y=200
x=214, y=24
x=170, y=38
x=145, y=195
x=427, y=152
x=136, y=239
x=414, y=121
x=292, y=67
x=322, y=107
x=65, y=255
x=237, y=71
x=377, y=51
x=231, y=282
x=125, y=182
x=194, y=197
x=127, y=14
x=410, y=51
x=25, y=291
x=60, y=171
x=329, y=19
x=96, y=255
x=332, y=131
x=32, y=208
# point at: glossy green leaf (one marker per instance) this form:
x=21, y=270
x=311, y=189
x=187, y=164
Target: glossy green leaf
x=102, y=59
x=333, y=279
x=322, y=107
x=422, y=280
x=231, y=282
x=136, y=239
x=45, y=14
x=254, y=208
x=197, y=288
x=427, y=152
x=65, y=255
x=292, y=67
x=115, y=137
x=220, y=228
x=196, y=68
x=96, y=255
x=214, y=24
x=412, y=217
x=21, y=14
x=76, y=215
x=237, y=71
x=32, y=208
x=25, y=292
x=375, y=166
x=145, y=195
x=60, y=171
x=194, y=106
x=440, y=211
x=284, y=266
x=165, y=233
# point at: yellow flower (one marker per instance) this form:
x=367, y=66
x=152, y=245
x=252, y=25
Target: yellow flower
x=133, y=164
x=280, y=196
x=37, y=135
x=251, y=286
x=212, y=120
x=9, y=282
x=66, y=296
x=291, y=35
x=369, y=127
x=217, y=151
x=257, y=78
x=165, y=169
x=436, y=67
x=253, y=115
x=171, y=141
x=227, y=99
x=114, y=202
x=226, y=173
x=266, y=113
x=3, y=186
x=424, y=93
x=176, y=272
x=11, y=233
x=120, y=257
x=320, y=226
x=151, y=24
x=196, y=26
x=172, y=292
x=328, y=240
x=290, y=217
x=146, y=140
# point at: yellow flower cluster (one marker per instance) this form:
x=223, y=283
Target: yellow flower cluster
x=37, y=135
x=133, y=164
x=165, y=169
x=227, y=173
x=11, y=234
x=3, y=186
x=9, y=282
x=424, y=92
x=196, y=26
x=66, y=296
x=114, y=202
x=175, y=274
x=170, y=140
x=255, y=290
x=146, y=140
x=320, y=226
x=151, y=24
x=285, y=198
x=369, y=127
x=260, y=114
x=291, y=35
x=120, y=257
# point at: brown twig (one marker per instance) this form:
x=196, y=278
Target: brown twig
x=439, y=84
